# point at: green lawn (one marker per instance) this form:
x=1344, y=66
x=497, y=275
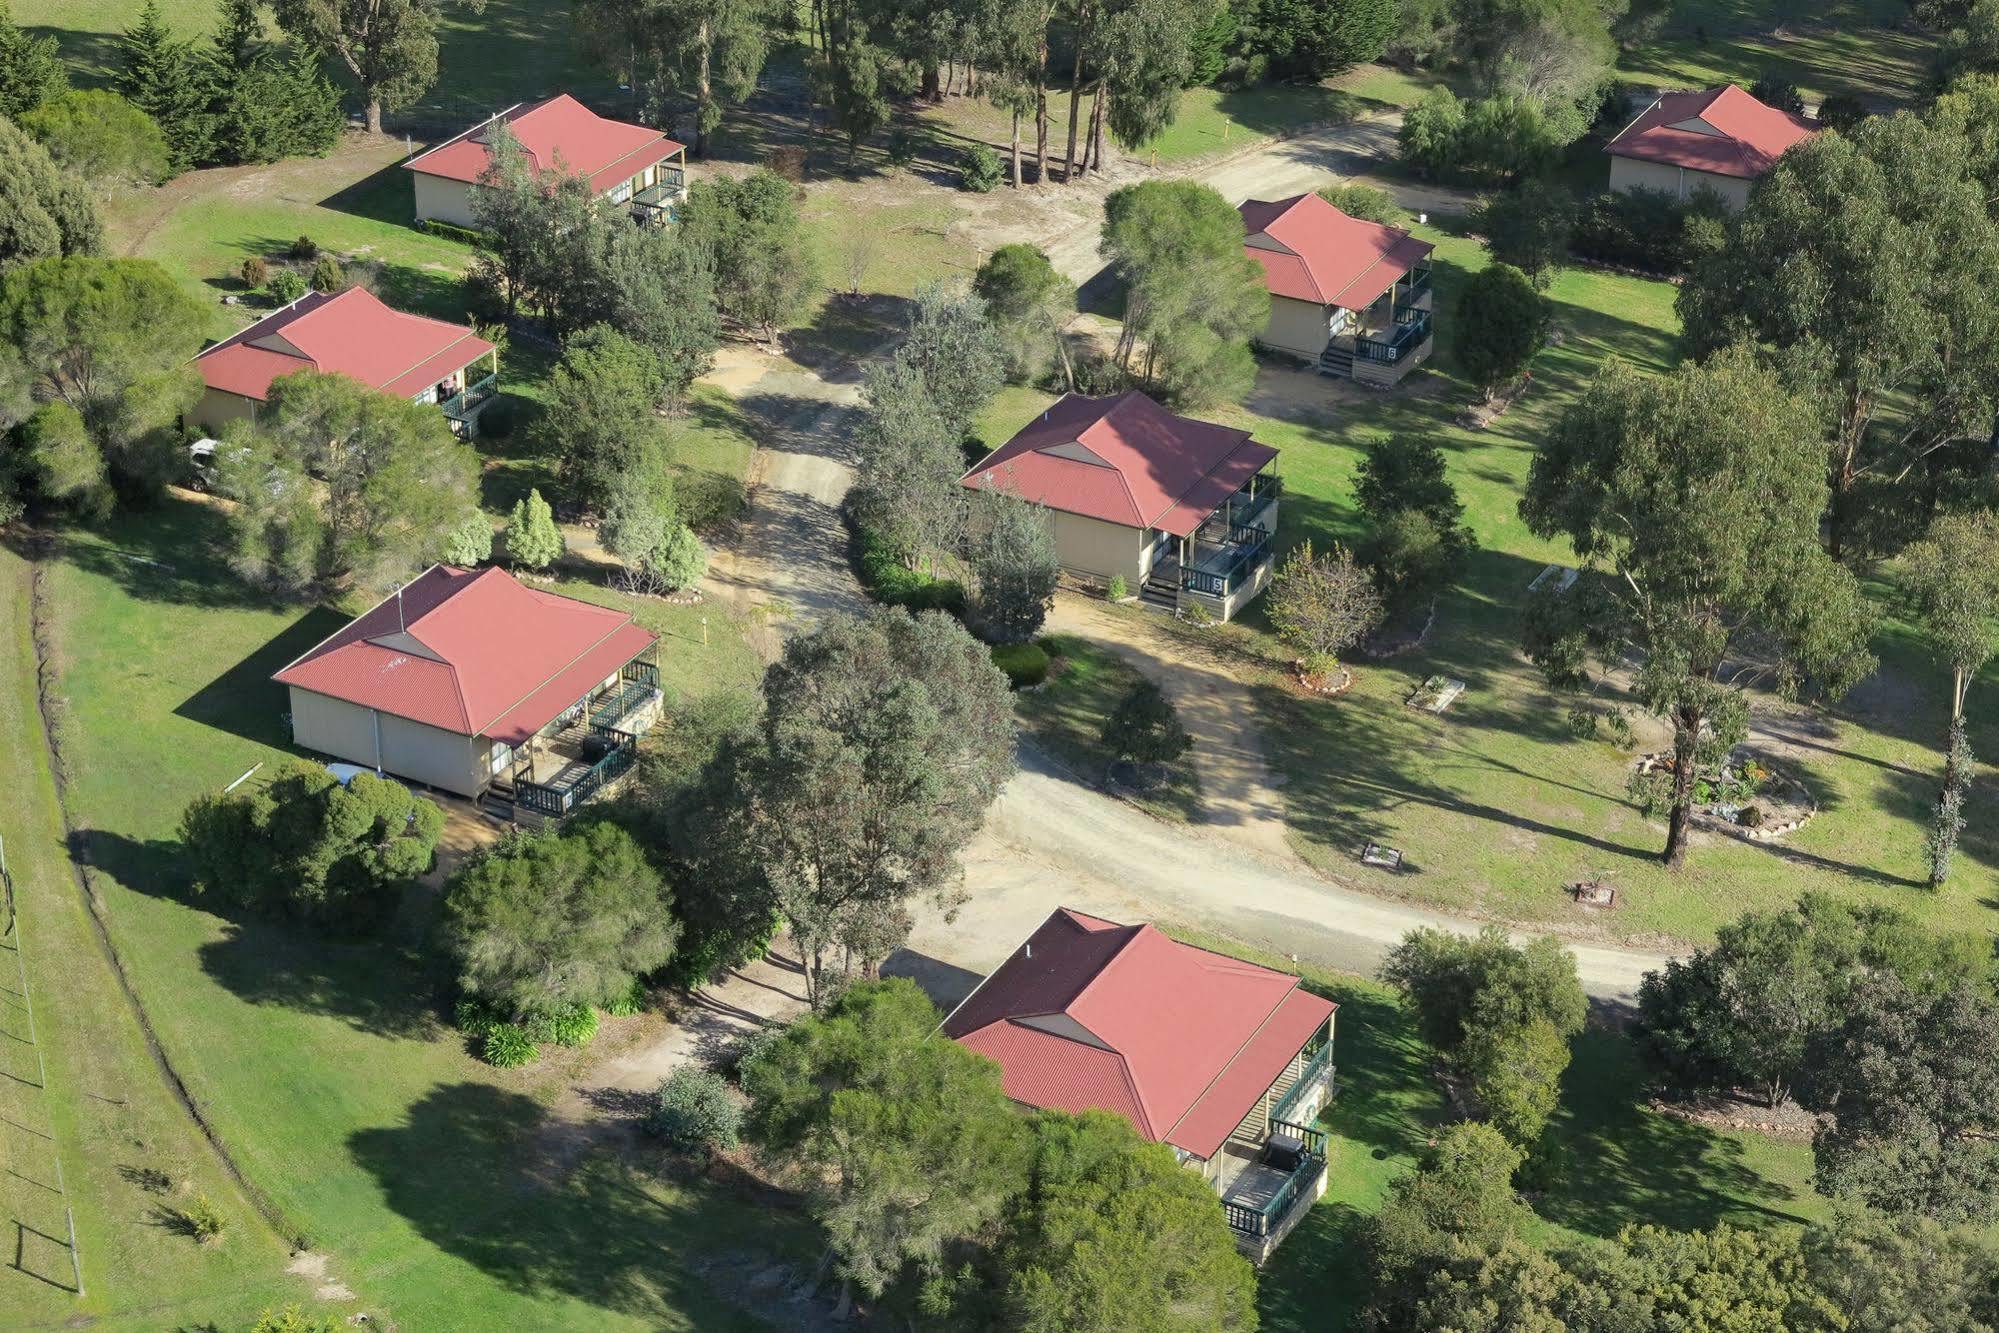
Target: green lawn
x=1494, y=805
x=1066, y=716
x=1865, y=47
x=128, y=1151
x=1616, y=1162
x=324, y=1064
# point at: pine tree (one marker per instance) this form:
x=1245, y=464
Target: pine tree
x=532, y=539
x=266, y=106
x=170, y=81
x=31, y=70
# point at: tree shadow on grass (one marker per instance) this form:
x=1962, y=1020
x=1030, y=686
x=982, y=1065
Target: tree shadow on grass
x=601, y=1232
x=845, y=331
x=1618, y=1163
x=384, y=196
x=175, y=550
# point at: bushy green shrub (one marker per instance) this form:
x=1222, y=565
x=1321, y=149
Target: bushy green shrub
x=496, y=419
x=476, y=1017
x=982, y=170
x=451, y=231
x=571, y=1025
x=695, y=1110
x=901, y=148
x=327, y=275
x=1117, y=589
x=631, y=1002
x=1842, y=111
x=200, y=1218
x=255, y=272
x=1644, y=229
x=305, y=248
x=1025, y=664
x=285, y=286
x=1368, y=202
x=1651, y=791
x=506, y=1046
x=889, y=581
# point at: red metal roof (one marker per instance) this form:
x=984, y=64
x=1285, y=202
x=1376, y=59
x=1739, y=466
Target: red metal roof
x=1178, y=1040
x=1311, y=251
x=351, y=333
x=471, y=651
x=1124, y=460
x=1723, y=131
x=558, y=134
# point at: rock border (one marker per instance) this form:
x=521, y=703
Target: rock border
x=1705, y=817
x=1302, y=682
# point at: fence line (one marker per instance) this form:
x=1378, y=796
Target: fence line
x=41, y=1063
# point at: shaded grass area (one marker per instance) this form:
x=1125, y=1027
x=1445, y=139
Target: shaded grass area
x=1616, y=1162
x=1494, y=804
x=1067, y=716
x=129, y=1152
x=1870, y=48
x=327, y=1065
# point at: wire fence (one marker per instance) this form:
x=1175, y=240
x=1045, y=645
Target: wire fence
x=11, y=940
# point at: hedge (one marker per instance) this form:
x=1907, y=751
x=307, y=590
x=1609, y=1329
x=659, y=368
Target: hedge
x=889, y=581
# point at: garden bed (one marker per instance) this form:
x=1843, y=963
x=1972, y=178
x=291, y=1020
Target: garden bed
x=1747, y=797
x=1436, y=693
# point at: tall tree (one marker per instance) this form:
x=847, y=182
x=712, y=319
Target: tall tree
x=1501, y=321
x=108, y=340
x=954, y=352
x=708, y=52
x=662, y=295
x=1030, y=304
x=1310, y=39
x=1911, y=1091
x=907, y=465
x=1321, y=605
x=1901, y=1274
x=388, y=47
x=264, y=104
x=100, y=137
x=338, y=480
x=884, y=739
x=1878, y=242
x=1694, y=500
x=172, y=82
x=543, y=920
x=1010, y=550
x=44, y=210
x=1953, y=585
x=906, y=1140
x=1460, y=1204
x=603, y=420
x=31, y=68
x=749, y=231
x=1116, y=1235
x=1193, y=297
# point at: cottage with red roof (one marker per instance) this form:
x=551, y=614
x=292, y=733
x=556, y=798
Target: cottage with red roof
x=471, y=682
x=627, y=164
x=1171, y=505
x=1225, y=1062
x=354, y=334
x=1722, y=140
x=1350, y=295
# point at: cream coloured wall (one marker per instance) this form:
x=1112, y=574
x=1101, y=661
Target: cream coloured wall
x=1096, y=549
x=410, y=750
x=1298, y=327
x=443, y=199
x=1631, y=174
x=217, y=409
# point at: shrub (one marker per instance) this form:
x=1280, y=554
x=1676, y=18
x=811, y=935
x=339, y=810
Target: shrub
x=893, y=583
x=1644, y=229
x=1651, y=791
x=496, y=419
x=475, y=1017
x=631, y=1002
x=326, y=275
x=201, y=1219
x=1779, y=93
x=1117, y=589
x=572, y=1025
x=694, y=1110
x=451, y=231
x=304, y=249
x=1145, y=727
x=285, y=286
x=470, y=543
x=982, y=170
x=255, y=272
x=901, y=149
x=1025, y=664
x=506, y=1046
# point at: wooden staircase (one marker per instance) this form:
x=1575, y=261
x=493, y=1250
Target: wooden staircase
x=1336, y=361
x=1162, y=587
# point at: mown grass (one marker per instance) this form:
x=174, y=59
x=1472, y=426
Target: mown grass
x=324, y=1064
x=1868, y=48
x=1494, y=804
x=1067, y=717
x=1612, y=1160
x=128, y=1151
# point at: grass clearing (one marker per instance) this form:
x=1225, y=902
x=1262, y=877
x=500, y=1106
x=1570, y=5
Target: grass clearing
x=1869, y=48
x=1066, y=716
x=327, y=1065
x=1616, y=1161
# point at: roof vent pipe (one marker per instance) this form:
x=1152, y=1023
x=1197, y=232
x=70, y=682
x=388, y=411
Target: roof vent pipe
x=1027, y=949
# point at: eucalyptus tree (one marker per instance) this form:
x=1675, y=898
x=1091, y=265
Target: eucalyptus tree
x=1953, y=582
x=1693, y=502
